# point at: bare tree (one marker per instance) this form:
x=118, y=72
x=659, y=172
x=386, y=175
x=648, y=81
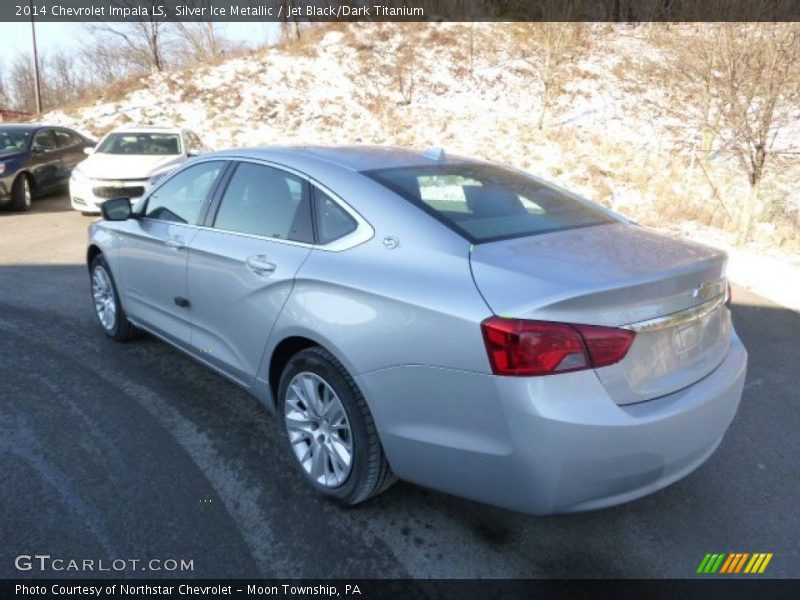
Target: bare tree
x=747, y=75
x=145, y=40
x=202, y=37
x=390, y=69
x=4, y=99
x=110, y=62
x=21, y=84
x=289, y=26
x=550, y=49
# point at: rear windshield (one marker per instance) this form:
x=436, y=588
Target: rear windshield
x=143, y=144
x=485, y=203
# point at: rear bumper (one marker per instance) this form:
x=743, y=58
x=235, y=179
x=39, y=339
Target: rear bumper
x=548, y=444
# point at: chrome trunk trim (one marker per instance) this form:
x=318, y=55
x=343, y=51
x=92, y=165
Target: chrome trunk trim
x=678, y=318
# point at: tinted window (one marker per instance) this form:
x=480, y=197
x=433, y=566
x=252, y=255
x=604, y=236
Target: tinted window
x=14, y=139
x=193, y=141
x=43, y=140
x=181, y=198
x=141, y=144
x=486, y=202
x=64, y=138
x=264, y=201
x=333, y=221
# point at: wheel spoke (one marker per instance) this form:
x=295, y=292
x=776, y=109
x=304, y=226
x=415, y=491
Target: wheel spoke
x=299, y=424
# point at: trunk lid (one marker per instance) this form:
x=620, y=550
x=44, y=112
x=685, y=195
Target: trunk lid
x=618, y=275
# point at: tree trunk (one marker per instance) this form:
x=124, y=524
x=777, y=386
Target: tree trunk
x=747, y=214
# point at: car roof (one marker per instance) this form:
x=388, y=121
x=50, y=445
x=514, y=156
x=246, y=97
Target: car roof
x=354, y=158
x=23, y=126
x=147, y=129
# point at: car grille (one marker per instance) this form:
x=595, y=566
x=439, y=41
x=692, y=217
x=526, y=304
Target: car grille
x=119, y=192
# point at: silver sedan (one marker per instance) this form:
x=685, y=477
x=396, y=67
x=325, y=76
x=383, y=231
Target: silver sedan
x=442, y=320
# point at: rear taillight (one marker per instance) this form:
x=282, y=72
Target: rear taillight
x=527, y=348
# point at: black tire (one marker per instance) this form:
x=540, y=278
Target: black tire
x=369, y=472
x=21, y=193
x=122, y=329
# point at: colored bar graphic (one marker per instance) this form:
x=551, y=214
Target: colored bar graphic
x=728, y=566
x=734, y=562
x=703, y=563
x=765, y=563
x=717, y=564
x=741, y=562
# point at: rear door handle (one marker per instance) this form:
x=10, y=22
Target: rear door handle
x=260, y=265
x=175, y=243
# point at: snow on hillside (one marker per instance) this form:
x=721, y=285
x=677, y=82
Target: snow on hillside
x=609, y=136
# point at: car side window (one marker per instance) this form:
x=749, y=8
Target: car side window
x=333, y=222
x=64, y=138
x=193, y=142
x=265, y=201
x=43, y=140
x=181, y=198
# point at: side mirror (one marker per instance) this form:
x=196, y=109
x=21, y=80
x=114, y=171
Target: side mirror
x=88, y=151
x=116, y=209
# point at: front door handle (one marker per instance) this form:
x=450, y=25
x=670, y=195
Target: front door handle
x=175, y=243
x=260, y=265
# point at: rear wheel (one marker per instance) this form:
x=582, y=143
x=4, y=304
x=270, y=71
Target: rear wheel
x=21, y=193
x=330, y=432
x=107, y=306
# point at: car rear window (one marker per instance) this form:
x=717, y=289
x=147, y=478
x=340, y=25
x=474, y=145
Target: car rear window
x=486, y=203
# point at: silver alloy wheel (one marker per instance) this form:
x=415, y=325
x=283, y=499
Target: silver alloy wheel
x=103, y=294
x=26, y=192
x=318, y=429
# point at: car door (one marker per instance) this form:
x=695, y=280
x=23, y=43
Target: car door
x=242, y=268
x=45, y=161
x=71, y=147
x=152, y=250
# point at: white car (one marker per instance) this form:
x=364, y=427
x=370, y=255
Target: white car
x=126, y=163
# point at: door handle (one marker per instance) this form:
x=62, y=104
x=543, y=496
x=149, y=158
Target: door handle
x=175, y=243
x=260, y=265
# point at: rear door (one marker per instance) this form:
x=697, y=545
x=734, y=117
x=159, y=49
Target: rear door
x=241, y=269
x=152, y=250
x=45, y=160
x=70, y=145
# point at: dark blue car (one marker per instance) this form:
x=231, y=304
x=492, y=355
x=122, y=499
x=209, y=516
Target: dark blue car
x=36, y=160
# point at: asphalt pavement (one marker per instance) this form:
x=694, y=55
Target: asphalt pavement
x=136, y=452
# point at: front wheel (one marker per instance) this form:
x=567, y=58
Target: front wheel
x=329, y=429
x=107, y=306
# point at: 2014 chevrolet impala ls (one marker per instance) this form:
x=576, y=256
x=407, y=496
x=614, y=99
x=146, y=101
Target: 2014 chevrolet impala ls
x=442, y=320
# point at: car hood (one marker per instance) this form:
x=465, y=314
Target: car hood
x=127, y=166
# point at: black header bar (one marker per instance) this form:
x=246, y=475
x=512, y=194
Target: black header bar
x=400, y=10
